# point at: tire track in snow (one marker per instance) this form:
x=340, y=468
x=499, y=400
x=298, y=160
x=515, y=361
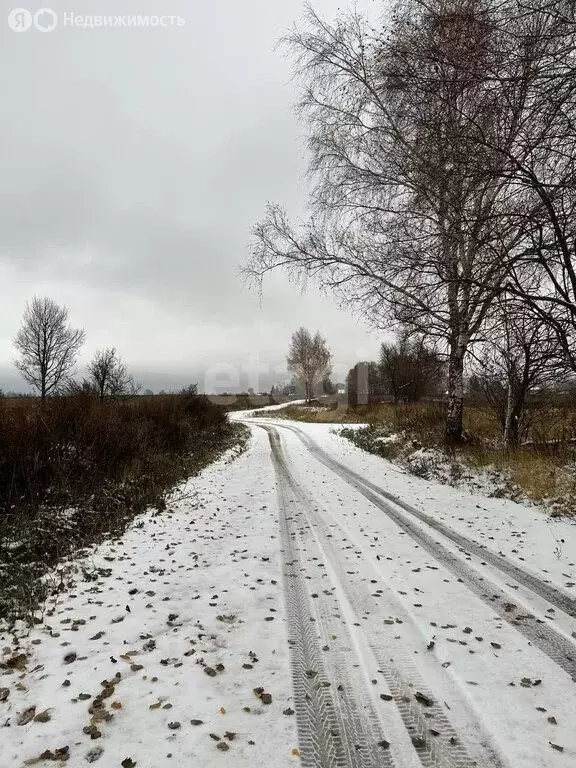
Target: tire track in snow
x=551, y=642
x=434, y=741
x=541, y=588
x=332, y=732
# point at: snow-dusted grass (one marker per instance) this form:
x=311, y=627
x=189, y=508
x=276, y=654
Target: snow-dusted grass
x=522, y=475
x=434, y=463
x=79, y=470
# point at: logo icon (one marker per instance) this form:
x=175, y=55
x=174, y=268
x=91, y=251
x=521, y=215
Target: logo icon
x=45, y=20
x=20, y=20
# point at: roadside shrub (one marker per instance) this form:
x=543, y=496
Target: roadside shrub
x=73, y=443
x=373, y=439
x=77, y=468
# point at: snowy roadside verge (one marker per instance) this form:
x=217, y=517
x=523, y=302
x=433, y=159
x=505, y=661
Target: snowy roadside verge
x=63, y=494
x=157, y=658
x=519, y=532
x=432, y=463
x=481, y=467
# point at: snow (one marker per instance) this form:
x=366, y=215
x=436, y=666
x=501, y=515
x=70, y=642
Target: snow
x=435, y=606
x=200, y=585
x=208, y=592
x=522, y=532
x=435, y=464
x=507, y=711
x=277, y=407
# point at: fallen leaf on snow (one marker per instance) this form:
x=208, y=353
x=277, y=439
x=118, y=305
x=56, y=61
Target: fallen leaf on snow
x=25, y=717
x=43, y=717
x=60, y=755
x=17, y=661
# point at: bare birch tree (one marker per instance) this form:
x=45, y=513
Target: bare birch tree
x=409, y=218
x=48, y=346
x=543, y=165
x=309, y=360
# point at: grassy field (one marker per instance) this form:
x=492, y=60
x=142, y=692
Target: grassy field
x=542, y=467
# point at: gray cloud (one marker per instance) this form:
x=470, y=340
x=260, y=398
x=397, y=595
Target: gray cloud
x=133, y=163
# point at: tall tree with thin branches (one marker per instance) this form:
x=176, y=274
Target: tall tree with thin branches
x=410, y=221
x=519, y=356
x=409, y=369
x=538, y=81
x=47, y=345
x=308, y=359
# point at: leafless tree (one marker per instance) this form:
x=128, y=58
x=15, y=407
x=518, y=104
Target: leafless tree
x=108, y=374
x=101, y=371
x=48, y=346
x=190, y=390
x=308, y=359
x=520, y=357
x=73, y=387
x=410, y=370
x=291, y=388
x=535, y=78
x=411, y=216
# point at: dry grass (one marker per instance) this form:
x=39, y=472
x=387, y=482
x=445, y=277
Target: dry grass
x=542, y=473
x=331, y=413
x=244, y=401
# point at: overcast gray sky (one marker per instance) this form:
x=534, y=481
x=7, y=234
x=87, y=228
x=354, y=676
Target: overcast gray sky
x=133, y=163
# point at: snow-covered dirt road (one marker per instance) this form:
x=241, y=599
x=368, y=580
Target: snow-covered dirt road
x=308, y=604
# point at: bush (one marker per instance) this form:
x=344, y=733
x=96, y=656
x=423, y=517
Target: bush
x=78, y=467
